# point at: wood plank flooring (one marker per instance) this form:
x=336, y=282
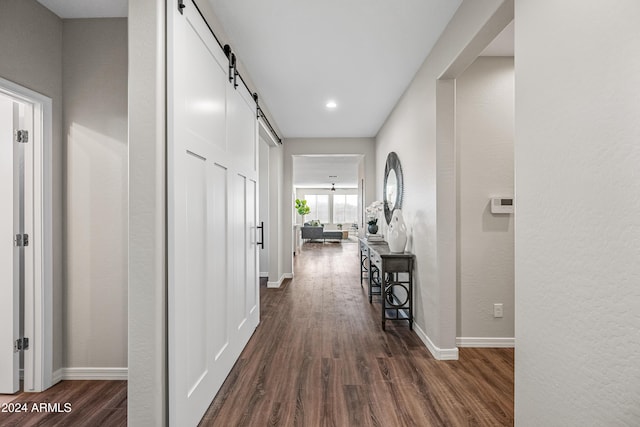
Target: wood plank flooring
x=92, y=403
x=320, y=358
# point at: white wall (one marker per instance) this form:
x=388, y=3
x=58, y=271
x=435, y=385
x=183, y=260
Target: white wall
x=276, y=217
x=484, y=143
x=31, y=56
x=302, y=146
x=263, y=213
x=147, y=358
x=363, y=189
x=577, y=249
x=95, y=134
x=421, y=131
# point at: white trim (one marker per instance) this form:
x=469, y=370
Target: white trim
x=438, y=353
x=96, y=374
x=279, y=282
x=486, y=342
x=39, y=302
x=266, y=133
x=264, y=274
x=57, y=376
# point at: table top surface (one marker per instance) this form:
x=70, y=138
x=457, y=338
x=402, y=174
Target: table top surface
x=382, y=249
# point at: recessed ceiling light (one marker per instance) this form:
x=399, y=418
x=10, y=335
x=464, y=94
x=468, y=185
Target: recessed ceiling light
x=332, y=104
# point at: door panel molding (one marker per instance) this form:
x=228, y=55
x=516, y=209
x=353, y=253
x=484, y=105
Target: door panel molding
x=211, y=211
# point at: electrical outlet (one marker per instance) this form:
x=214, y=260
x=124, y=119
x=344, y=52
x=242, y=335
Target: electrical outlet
x=497, y=310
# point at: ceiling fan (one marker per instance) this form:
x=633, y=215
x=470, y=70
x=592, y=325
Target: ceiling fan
x=333, y=184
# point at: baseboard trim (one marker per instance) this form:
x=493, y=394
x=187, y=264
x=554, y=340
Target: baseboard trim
x=279, y=282
x=113, y=374
x=437, y=352
x=264, y=274
x=57, y=376
x=486, y=342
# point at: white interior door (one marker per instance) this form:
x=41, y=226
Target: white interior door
x=9, y=253
x=29, y=314
x=25, y=191
x=212, y=190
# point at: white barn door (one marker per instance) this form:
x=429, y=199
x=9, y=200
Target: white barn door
x=212, y=202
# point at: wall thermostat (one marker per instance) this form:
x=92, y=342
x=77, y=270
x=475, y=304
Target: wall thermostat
x=502, y=205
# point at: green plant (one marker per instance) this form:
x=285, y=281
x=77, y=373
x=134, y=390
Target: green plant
x=301, y=207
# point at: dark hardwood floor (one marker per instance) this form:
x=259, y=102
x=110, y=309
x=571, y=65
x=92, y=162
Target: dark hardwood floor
x=90, y=403
x=320, y=358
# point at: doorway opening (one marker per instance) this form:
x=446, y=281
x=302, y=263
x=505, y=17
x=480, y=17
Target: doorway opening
x=332, y=187
x=485, y=177
x=26, y=314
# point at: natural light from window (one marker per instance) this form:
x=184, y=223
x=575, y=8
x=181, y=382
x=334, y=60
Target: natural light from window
x=319, y=205
x=332, y=208
x=345, y=208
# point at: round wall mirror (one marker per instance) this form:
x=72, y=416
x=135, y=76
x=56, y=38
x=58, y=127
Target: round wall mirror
x=393, y=184
x=392, y=188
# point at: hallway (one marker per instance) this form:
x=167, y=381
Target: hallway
x=320, y=358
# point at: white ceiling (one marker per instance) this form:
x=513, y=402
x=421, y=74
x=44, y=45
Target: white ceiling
x=87, y=8
x=361, y=53
x=315, y=171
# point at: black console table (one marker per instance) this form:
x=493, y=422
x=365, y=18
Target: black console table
x=389, y=275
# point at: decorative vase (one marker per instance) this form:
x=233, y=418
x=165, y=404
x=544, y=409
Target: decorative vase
x=397, y=237
x=373, y=228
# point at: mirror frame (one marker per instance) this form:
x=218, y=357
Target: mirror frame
x=393, y=164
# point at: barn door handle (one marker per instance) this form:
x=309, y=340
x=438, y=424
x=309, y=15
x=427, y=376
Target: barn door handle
x=261, y=227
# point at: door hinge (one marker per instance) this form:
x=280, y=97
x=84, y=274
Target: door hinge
x=21, y=344
x=22, y=240
x=181, y=6
x=22, y=136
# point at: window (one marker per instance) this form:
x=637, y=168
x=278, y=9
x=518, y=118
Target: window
x=331, y=208
x=345, y=208
x=319, y=205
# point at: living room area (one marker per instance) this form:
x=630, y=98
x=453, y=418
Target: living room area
x=328, y=199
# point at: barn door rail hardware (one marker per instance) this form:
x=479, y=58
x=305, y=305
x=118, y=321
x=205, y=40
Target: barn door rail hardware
x=234, y=74
x=260, y=115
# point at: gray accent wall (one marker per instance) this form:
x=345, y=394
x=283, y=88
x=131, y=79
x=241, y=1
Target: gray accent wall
x=95, y=135
x=31, y=56
x=82, y=66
